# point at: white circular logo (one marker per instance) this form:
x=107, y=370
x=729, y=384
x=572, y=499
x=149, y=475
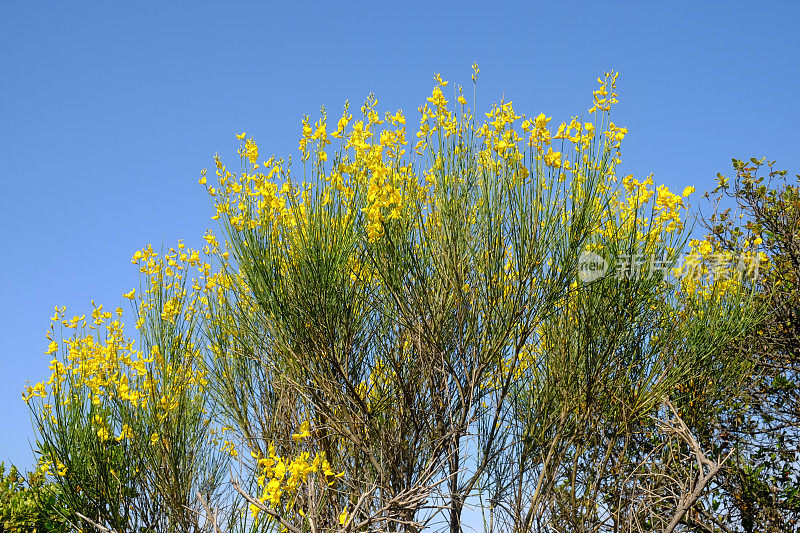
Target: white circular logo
x=591, y=267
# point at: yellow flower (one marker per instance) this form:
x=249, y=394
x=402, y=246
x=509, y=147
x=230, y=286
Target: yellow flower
x=687, y=191
x=126, y=433
x=154, y=439
x=343, y=516
x=51, y=349
x=552, y=158
x=103, y=434
x=130, y=294
x=240, y=136
x=304, y=432
x=136, y=256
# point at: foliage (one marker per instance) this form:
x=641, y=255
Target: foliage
x=762, y=488
x=29, y=503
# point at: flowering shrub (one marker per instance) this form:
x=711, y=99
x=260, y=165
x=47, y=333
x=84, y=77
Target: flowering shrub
x=124, y=428
x=399, y=331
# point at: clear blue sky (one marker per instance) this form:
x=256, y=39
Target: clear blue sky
x=109, y=110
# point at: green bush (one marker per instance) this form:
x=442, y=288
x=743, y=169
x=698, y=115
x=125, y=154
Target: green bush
x=28, y=503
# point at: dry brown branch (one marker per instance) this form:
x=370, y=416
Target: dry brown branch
x=707, y=468
x=94, y=524
x=210, y=515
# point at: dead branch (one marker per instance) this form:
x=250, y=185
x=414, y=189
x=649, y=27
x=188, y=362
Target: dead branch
x=94, y=524
x=707, y=468
x=209, y=514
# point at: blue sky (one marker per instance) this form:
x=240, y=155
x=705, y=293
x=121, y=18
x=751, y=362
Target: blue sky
x=108, y=112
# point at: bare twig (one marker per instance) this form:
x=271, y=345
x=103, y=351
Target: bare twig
x=94, y=524
x=209, y=514
x=707, y=468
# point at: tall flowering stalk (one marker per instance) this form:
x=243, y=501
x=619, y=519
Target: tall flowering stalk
x=122, y=425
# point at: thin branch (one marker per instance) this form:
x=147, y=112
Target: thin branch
x=94, y=524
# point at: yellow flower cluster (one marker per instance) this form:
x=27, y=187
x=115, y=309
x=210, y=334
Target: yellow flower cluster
x=98, y=356
x=605, y=96
x=282, y=478
x=710, y=272
x=370, y=171
x=98, y=370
